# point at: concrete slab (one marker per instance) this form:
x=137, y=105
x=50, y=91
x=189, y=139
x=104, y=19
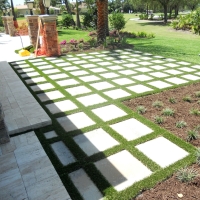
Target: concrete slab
x=91, y=100
x=99, y=69
x=45, y=67
x=109, y=75
x=102, y=85
x=35, y=80
x=162, y=151
x=50, y=134
x=63, y=64
x=176, y=80
x=158, y=67
x=173, y=71
x=78, y=90
x=71, y=68
x=139, y=88
x=142, y=77
x=143, y=69
x=160, y=84
x=130, y=65
x=58, y=76
x=187, y=69
x=78, y=73
x=159, y=74
x=88, y=65
x=116, y=67
x=123, y=81
x=171, y=65
x=122, y=170
x=30, y=74
x=89, y=78
x=127, y=72
x=51, y=71
x=191, y=77
x=41, y=87
x=50, y=96
x=67, y=82
x=117, y=93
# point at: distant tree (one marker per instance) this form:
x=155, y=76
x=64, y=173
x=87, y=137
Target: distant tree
x=192, y=4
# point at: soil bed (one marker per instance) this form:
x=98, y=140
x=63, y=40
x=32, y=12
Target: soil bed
x=168, y=189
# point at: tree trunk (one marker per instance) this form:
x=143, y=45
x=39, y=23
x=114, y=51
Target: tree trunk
x=106, y=18
x=170, y=12
x=165, y=13
x=78, y=23
x=69, y=11
x=42, y=8
x=176, y=11
x=101, y=24
x=147, y=12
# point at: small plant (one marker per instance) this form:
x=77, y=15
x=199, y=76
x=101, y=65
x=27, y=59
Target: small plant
x=150, y=35
x=181, y=124
x=186, y=174
x=192, y=135
x=172, y=100
x=187, y=98
x=64, y=42
x=198, y=156
x=198, y=102
x=157, y=104
x=159, y=119
x=197, y=94
x=195, y=111
x=141, y=109
x=168, y=112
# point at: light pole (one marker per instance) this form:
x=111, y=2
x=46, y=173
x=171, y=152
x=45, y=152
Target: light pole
x=47, y=5
x=30, y=6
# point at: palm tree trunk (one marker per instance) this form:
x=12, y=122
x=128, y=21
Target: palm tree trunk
x=42, y=8
x=78, y=23
x=106, y=18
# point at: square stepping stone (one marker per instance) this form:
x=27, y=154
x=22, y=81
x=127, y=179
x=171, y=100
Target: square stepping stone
x=50, y=58
x=51, y=71
x=94, y=141
x=109, y=112
x=131, y=129
x=104, y=63
x=58, y=76
x=116, y=94
x=109, y=58
x=158, y=57
x=142, y=77
x=71, y=68
x=74, y=58
x=173, y=71
x=78, y=73
x=171, y=65
x=145, y=63
x=25, y=70
x=57, y=60
x=91, y=100
x=100, y=55
x=176, y=80
x=135, y=55
x=157, y=67
x=124, y=57
x=30, y=74
x=88, y=66
x=183, y=63
x=162, y=151
x=130, y=65
x=126, y=53
x=79, y=62
x=159, y=84
x=75, y=121
x=157, y=61
x=102, y=85
x=21, y=66
x=63, y=64
x=61, y=106
x=122, y=170
x=50, y=96
x=96, y=60
x=147, y=54
x=88, y=57
x=21, y=62
x=63, y=153
x=139, y=88
x=134, y=60
x=127, y=72
x=85, y=186
x=146, y=58
x=123, y=81
x=35, y=80
x=109, y=75
x=196, y=66
x=45, y=86
x=119, y=61
x=186, y=69
x=89, y=78
x=40, y=63
x=99, y=69
x=116, y=67
x=94, y=53
x=143, y=69
x=159, y=74
x=50, y=134
x=67, y=82
x=170, y=60
x=35, y=60
x=45, y=67
x=82, y=54
x=78, y=90
x=191, y=77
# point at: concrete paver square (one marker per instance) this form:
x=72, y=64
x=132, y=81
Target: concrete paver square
x=30, y=74
x=119, y=61
x=102, y=85
x=196, y=66
x=170, y=60
x=157, y=61
x=176, y=80
x=133, y=60
x=85, y=185
x=104, y=63
x=116, y=67
x=109, y=58
x=191, y=77
x=157, y=67
x=143, y=69
x=173, y=71
x=58, y=76
x=57, y=60
x=109, y=75
x=146, y=58
x=50, y=134
x=78, y=90
x=130, y=65
x=70, y=68
x=139, y=88
x=94, y=141
x=183, y=63
x=186, y=69
x=159, y=84
x=45, y=67
x=171, y=65
x=123, y=81
x=89, y=78
x=61, y=106
x=79, y=62
x=74, y=58
x=131, y=129
x=99, y=69
x=40, y=63
x=63, y=153
x=162, y=151
x=50, y=96
x=39, y=87
x=122, y=170
x=67, y=82
x=88, y=65
x=109, y=112
x=142, y=77
x=25, y=70
x=35, y=80
x=96, y=60
x=127, y=72
x=75, y=121
x=159, y=74
x=35, y=60
x=63, y=64
x=88, y=57
x=91, y=100
x=117, y=93
x=78, y=73
x=145, y=63
x=51, y=71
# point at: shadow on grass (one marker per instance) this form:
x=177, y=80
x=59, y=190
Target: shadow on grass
x=155, y=23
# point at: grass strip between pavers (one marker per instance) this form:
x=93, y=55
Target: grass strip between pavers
x=87, y=163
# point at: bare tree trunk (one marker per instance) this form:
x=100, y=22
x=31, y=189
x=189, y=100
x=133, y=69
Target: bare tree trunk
x=106, y=18
x=165, y=13
x=78, y=23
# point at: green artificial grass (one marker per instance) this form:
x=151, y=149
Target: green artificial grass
x=87, y=162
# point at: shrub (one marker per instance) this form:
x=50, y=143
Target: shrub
x=168, y=112
x=66, y=20
x=158, y=119
x=192, y=135
x=141, y=109
x=198, y=156
x=197, y=94
x=195, y=111
x=172, y=100
x=157, y=104
x=88, y=20
x=181, y=124
x=150, y=35
x=186, y=174
x=142, y=34
x=187, y=98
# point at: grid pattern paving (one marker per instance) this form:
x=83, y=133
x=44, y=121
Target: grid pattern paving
x=83, y=93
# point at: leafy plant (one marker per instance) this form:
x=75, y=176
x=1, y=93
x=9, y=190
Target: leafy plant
x=181, y=124
x=187, y=98
x=172, y=100
x=197, y=94
x=168, y=112
x=186, y=174
x=192, y=135
x=158, y=119
x=198, y=156
x=150, y=35
x=66, y=20
x=141, y=109
x=142, y=34
x=157, y=104
x=195, y=111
